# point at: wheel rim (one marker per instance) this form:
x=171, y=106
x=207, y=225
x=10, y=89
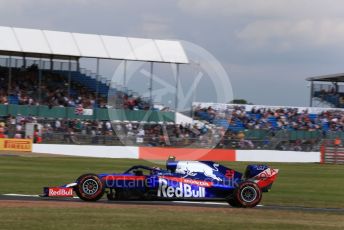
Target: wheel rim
x=90, y=186
x=248, y=194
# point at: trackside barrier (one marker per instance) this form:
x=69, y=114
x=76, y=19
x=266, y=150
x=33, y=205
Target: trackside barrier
x=332, y=154
x=277, y=156
x=88, y=150
x=157, y=153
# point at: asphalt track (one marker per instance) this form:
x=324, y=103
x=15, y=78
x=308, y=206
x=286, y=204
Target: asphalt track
x=20, y=197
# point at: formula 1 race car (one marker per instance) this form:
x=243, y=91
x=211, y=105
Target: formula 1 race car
x=181, y=180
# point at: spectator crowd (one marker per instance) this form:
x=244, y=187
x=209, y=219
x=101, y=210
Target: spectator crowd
x=76, y=131
x=150, y=133
x=23, y=89
x=265, y=118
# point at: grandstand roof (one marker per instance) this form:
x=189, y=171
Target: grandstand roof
x=46, y=43
x=339, y=77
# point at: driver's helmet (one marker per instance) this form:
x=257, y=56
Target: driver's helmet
x=171, y=158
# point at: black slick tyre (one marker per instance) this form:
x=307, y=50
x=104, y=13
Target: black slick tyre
x=89, y=187
x=247, y=195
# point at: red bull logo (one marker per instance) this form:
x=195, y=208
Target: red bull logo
x=192, y=168
x=60, y=192
x=182, y=190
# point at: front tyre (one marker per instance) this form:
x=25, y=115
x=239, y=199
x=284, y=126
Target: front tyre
x=89, y=187
x=247, y=195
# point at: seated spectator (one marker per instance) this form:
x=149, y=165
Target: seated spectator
x=2, y=131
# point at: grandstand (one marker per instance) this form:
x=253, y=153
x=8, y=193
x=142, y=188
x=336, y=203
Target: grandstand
x=42, y=68
x=328, y=89
x=239, y=117
x=41, y=78
x=258, y=122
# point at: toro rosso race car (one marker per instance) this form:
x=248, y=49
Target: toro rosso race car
x=181, y=180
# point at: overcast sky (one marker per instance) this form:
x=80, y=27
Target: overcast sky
x=268, y=47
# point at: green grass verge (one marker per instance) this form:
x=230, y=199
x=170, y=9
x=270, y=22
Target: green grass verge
x=310, y=185
x=160, y=218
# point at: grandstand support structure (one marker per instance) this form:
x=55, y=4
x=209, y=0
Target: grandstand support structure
x=311, y=94
x=40, y=82
x=177, y=87
x=69, y=75
x=9, y=64
x=151, y=84
x=97, y=79
x=125, y=74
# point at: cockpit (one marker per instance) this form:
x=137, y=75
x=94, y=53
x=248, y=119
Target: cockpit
x=140, y=170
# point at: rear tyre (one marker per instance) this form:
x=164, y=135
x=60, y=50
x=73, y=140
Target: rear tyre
x=247, y=195
x=89, y=187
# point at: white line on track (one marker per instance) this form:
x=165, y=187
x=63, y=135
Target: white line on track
x=21, y=195
x=24, y=195
x=205, y=202
x=178, y=202
x=200, y=202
